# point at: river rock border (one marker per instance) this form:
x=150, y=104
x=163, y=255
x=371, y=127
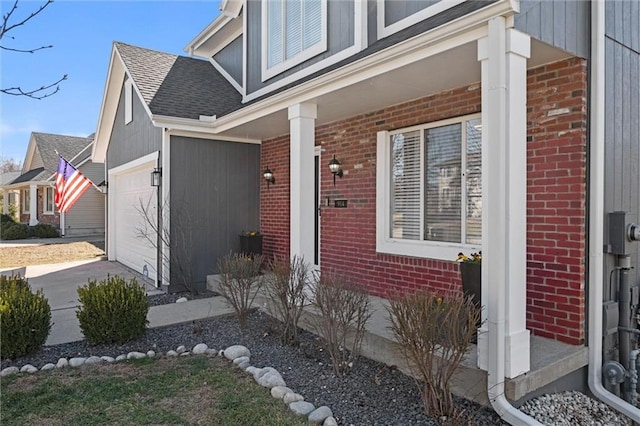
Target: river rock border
x=238, y=355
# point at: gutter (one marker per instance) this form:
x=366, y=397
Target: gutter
x=596, y=214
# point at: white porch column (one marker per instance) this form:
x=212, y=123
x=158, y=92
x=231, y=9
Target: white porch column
x=302, y=120
x=503, y=55
x=33, y=205
x=5, y=201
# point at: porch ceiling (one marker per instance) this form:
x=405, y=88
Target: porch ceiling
x=448, y=70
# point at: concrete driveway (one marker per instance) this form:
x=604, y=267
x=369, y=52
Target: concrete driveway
x=60, y=282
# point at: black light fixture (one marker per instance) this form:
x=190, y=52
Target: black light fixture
x=156, y=177
x=334, y=166
x=268, y=176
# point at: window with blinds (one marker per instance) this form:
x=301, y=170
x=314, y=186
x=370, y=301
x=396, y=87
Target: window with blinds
x=293, y=27
x=436, y=192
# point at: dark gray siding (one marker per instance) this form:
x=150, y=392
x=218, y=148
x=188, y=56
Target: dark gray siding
x=564, y=24
x=215, y=186
x=230, y=58
x=623, y=22
x=133, y=140
x=340, y=35
x=622, y=124
x=397, y=10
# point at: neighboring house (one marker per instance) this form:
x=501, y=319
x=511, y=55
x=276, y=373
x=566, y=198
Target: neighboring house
x=404, y=95
x=35, y=187
x=9, y=197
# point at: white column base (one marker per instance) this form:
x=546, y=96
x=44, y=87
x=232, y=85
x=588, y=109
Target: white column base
x=517, y=352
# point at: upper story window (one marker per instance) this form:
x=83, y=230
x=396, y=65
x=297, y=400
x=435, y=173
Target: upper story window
x=394, y=15
x=430, y=189
x=292, y=32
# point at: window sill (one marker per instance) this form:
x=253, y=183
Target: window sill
x=423, y=249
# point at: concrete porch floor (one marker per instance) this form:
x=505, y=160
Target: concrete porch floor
x=550, y=360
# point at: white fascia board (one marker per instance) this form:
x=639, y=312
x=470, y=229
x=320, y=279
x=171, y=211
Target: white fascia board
x=109, y=106
x=226, y=75
x=25, y=185
x=224, y=29
x=141, y=161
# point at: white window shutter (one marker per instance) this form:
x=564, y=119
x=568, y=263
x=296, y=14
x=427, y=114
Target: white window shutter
x=405, y=186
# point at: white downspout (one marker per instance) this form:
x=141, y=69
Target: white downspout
x=596, y=214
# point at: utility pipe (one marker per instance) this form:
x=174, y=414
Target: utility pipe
x=596, y=216
x=624, y=320
x=633, y=377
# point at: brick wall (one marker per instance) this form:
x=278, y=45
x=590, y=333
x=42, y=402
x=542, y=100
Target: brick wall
x=555, y=209
x=51, y=219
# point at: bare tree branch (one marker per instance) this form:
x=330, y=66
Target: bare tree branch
x=44, y=91
x=35, y=93
x=5, y=19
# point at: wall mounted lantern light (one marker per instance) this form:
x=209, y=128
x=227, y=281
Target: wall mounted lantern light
x=334, y=166
x=156, y=177
x=268, y=176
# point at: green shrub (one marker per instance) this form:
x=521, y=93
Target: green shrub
x=6, y=218
x=14, y=231
x=25, y=318
x=44, y=230
x=112, y=311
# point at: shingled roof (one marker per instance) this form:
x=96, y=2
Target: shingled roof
x=178, y=86
x=47, y=144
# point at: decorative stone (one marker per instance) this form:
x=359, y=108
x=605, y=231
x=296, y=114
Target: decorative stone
x=278, y=392
x=330, y=421
x=182, y=300
x=136, y=355
x=292, y=397
x=151, y=354
x=76, y=362
x=48, y=366
x=93, y=360
x=185, y=354
x=271, y=380
x=9, y=371
x=121, y=358
x=240, y=360
x=301, y=408
x=259, y=372
x=251, y=370
x=108, y=359
x=236, y=351
x=62, y=362
x=244, y=365
x=28, y=368
x=221, y=352
x=172, y=353
x=199, y=349
x=319, y=415
x=211, y=352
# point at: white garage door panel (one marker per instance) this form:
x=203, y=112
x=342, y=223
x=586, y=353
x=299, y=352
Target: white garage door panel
x=131, y=249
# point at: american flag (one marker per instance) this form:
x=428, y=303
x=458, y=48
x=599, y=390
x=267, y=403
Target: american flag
x=70, y=185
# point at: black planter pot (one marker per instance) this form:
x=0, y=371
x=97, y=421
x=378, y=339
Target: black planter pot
x=251, y=245
x=471, y=274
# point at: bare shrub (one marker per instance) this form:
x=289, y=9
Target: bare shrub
x=286, y=285
x=240, y=282
x=434, y=333
x=344, y=310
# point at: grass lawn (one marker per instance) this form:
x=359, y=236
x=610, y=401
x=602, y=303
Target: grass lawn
x=165, y=391
x=48, y=253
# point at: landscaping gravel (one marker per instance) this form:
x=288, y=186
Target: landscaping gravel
x=372, y=394
x=167, y=298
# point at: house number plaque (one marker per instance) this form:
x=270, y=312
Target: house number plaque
x=340, y=204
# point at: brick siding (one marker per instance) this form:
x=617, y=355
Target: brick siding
x=556, y=177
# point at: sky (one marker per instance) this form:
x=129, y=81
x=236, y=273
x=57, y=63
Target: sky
x=82, y=33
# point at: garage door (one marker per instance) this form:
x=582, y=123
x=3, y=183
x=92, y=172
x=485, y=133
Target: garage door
x=128, y=191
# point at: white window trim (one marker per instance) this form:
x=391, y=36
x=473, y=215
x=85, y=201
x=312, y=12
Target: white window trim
x=385, y=31
x=415, y=248
x=26, y=199
x=44, y=201
x=128, y=101
x=304, y=55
